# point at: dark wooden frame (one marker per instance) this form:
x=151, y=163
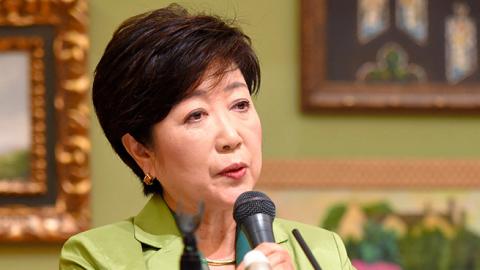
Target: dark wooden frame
x=320, y=94
x=70, y=212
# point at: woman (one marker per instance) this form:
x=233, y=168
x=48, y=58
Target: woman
x=172, y=93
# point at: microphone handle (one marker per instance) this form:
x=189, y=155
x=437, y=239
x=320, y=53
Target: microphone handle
x=259, y=229
x=256, y=260
x=306, y=249
x=259, y=266
x=190, y=261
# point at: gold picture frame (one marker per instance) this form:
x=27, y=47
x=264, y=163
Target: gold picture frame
x=54, y=202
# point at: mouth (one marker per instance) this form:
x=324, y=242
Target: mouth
x=235, y=170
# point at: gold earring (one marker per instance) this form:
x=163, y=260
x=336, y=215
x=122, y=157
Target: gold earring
x=148, y=179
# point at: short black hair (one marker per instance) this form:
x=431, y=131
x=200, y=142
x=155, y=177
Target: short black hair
x=152, y=62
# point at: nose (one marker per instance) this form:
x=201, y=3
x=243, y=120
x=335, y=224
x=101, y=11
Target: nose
x=228, y=138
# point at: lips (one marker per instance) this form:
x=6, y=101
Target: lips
x=235, y=170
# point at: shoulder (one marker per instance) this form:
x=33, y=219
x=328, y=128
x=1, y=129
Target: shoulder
x=312, y=234
x=115, y=233
x=326, y=246
x=290, y=225
x=100, y=247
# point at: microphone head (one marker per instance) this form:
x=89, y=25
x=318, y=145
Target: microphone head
x=250, y=203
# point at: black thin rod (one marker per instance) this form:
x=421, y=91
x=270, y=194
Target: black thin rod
x=306, y=249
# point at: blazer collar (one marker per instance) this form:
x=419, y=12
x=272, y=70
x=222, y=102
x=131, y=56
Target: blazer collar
x=155, y=226
x=281, y=236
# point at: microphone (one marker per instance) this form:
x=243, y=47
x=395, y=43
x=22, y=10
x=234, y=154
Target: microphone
x=254, y=213
x=256, y=260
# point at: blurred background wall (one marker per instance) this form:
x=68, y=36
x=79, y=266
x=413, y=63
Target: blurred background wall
x=274, y=27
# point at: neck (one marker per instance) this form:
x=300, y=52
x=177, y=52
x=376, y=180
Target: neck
x=216, y=234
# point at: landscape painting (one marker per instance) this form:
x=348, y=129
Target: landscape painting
x=15, y=123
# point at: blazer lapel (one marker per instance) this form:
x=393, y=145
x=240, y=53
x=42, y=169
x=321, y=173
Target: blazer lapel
x=155, y=228
x=167, y=257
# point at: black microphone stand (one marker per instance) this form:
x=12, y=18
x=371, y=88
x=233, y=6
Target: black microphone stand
x=188, y=224
x=190, y=257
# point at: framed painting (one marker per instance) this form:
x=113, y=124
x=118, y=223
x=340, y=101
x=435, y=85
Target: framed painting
x=44, y=117
x=378, y=55
x=22, y=116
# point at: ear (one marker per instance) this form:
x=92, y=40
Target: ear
x=140, y=153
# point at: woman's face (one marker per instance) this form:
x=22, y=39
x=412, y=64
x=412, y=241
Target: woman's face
x=208, y=148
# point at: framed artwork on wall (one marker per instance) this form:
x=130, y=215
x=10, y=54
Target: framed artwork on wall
x=375, y=55
x=22, y=116
x=44, y=117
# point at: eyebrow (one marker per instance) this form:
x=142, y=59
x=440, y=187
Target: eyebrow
x=235, y=85
x=229, y=87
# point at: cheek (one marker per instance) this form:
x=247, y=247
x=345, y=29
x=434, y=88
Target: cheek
x=183, y=153
x=256, y=128
x=255, y=144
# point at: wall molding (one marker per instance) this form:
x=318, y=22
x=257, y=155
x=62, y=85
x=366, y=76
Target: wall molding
x=370, y=173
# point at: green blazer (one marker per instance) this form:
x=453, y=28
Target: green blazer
x=151, y=240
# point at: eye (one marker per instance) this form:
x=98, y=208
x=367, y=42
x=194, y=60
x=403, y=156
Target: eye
x=195, y=116
x=242, y=106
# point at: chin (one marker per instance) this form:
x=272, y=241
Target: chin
x=228, y=198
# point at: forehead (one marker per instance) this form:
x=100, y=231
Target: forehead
x=225, y=81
